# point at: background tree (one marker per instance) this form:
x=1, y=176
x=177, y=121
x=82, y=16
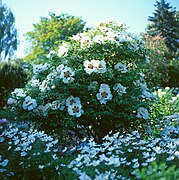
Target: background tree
x=49, y=32
x=8, y=33
x=164, y=22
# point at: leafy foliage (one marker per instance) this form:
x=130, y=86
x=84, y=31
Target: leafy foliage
x=8, y=33
x=49, y=32
x=158, y=171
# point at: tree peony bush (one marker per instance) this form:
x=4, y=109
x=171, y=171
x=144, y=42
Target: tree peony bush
x=93, y=83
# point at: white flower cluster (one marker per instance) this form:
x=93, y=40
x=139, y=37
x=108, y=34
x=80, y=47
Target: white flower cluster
x=24, y=142
x=74, y=106
x=65, y=73
x=126, y=150
x=145, y=91
x=95, y=66
x=40, y=68
x=107, y=33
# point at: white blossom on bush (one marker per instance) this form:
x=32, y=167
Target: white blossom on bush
x=60, y=68
x=75, y=110
x=72, y=100
x=93, y=86
x=63, y=50
x=44, y=86
x=67, y=75
x=94, y=66
x=58, y=104
x=148, y=95
x=104, y=94
x=85, y=41
x=74, y=106
x=120, y=89
x=34, y=82
x=142, y=113
x=40, y=68
x=29, y=103
x=11, y=101
x=121, y=67
x=19, y=92
x=99, y=39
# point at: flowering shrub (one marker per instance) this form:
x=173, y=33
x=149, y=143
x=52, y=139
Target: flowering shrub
x=94, y=82
x=26, y=152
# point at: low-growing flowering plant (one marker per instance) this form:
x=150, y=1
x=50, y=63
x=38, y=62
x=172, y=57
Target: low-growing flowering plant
x=101, y=71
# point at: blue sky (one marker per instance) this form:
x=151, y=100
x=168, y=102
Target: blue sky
x=134, y=13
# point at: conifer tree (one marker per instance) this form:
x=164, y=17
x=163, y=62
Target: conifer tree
x=165, y=23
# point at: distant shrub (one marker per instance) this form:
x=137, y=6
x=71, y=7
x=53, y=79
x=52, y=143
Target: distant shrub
x=11, y=76
x=162, y=70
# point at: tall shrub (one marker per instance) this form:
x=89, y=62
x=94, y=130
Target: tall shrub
x=94, y=83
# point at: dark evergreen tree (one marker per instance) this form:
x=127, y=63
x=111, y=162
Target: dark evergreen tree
x=164, y=22
x=8, y=33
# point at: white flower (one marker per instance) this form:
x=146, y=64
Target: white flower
x=111, y=35
x=85, y=41
x=84, y=176
x=29, y=103
x=75, y=109
x=170, y=158
x=90, y=66
x=147, y=95
x=95, y=66
x=104, y=94
x=51, y=54
x=44, y=86
x=19, y=92
x=121, y=67
x=136, y=165
x=67, y=75
x=76, y=37
x=72, y=100
x=60, y=68
x=23, y=154
x=34, y=82
x=101, y=66
x=142, y=113
x=150, y=159
x=11, y=101
x=93, y=86
x=63, y=50
x=146, y=154
x=58, y=105
x=99, y=39
x=4, y=163
x=120, y=89
x=41, y=166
